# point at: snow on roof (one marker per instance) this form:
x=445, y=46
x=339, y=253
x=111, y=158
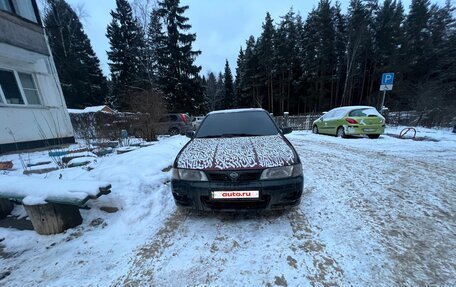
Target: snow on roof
x=354, y=107
x=94, y=109
x=75, y=111
x=236, y=111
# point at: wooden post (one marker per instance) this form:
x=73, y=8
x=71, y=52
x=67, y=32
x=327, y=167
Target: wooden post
x=5, y=207
x=52, y=218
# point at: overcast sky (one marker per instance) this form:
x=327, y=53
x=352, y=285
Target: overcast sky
x=221, y=26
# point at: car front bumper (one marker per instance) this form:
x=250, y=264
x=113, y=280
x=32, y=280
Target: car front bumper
x=273, y=194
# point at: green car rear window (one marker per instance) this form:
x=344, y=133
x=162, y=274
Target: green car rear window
x=364, y=113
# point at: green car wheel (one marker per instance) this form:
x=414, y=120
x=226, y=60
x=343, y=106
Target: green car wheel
x=341, y=132
x=315, y=129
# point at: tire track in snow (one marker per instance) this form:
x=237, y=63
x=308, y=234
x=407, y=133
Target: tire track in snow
x=324, y=270
x=218, y=248
x=407, y=203
x=139, y=274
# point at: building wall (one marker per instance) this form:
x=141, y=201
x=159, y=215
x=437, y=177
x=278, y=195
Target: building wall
x=23, y=49
x=21, y=123
x=21, y=33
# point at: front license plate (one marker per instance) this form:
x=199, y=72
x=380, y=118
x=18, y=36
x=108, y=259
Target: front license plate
x=235, y=194
x=370, y=130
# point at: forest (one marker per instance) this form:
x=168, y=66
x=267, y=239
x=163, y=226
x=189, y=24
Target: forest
x=298, y=63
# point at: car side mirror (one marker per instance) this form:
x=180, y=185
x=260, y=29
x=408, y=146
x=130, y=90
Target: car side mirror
x=190, y=134
x=286, y=130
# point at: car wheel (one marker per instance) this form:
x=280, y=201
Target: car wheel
x=173, y=131
x=340, y=132
x=315, y=129
x=373, y=136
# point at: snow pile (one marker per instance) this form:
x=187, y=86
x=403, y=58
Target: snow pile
x=104, y=243
x=37, y=191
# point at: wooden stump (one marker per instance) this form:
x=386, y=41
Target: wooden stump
x=52, y=218
x=5, y=207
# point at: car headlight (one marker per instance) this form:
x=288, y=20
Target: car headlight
x=282, y=172
x=188, y=174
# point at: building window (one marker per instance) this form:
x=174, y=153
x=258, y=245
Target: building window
x=24, y=8
x=10, y=88
x=5, y=5
x=29, y=88
x=18, y=89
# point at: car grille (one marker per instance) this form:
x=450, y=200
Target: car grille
x=243, y=176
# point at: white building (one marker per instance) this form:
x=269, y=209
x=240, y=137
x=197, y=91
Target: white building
x=33, y=112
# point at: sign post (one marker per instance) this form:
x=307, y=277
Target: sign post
x=386, y=85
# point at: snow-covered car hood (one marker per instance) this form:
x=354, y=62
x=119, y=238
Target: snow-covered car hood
x=236, y=153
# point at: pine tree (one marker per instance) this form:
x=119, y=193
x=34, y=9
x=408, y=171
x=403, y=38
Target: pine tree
x=211, y=90
x=220, y=94
x=228, y=98
x=265, y=59
x=126, y=54
x=179, y=76
x=387, y=28
x=82, y=81
x=340, y=40
x=418, y=42
x=332, y=59
x=357, y=47
x=239, y=77
x=155, y=47
x=287, y=62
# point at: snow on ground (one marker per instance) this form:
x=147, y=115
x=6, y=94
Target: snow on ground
x=375, y=213
x=100, y=249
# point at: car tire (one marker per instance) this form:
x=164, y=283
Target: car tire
x=173, y=131
x=315, y=129
x=341, y=132
x=373, y=136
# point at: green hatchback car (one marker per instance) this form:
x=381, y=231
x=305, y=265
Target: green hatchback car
x=351, y=120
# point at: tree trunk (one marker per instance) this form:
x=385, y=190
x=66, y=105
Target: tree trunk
x=53, y=218
x=272, y=95
x=364, y=82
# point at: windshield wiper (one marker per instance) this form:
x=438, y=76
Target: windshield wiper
x=210, y=137
x=228, y=136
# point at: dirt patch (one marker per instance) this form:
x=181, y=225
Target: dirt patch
x=280, y=281
x=109, y=209
x=168, y=168
x=325, y=270
x=17, y=223
x=153, y=250
x=292, y=262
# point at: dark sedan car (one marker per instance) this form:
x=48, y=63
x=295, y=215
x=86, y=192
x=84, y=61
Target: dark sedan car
x=238, y=159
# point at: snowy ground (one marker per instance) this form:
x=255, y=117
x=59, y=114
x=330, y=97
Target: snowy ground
x=375, y=213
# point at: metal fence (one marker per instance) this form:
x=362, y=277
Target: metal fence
x=301, y=122
x=401, y=118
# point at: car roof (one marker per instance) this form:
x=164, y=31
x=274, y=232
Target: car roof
x=353, y=108
x=229, y=111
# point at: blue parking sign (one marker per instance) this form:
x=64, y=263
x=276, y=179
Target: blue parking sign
x=387, y=78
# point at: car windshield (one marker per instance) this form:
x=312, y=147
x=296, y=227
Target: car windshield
x=366, y=112
x=256, y=123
